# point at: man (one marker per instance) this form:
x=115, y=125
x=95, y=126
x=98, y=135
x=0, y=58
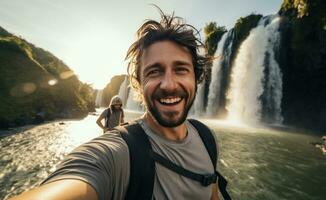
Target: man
x=165, y=68
x=113, y=115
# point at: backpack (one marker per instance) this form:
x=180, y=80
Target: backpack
x=142, y=161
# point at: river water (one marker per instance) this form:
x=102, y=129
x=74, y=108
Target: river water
x=258, y=163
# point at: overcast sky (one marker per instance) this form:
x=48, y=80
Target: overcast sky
x=92, y=36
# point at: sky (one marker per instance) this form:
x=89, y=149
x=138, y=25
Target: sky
x=93, y=36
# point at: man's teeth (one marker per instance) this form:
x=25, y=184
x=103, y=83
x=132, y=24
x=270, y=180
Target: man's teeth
x=170, y=100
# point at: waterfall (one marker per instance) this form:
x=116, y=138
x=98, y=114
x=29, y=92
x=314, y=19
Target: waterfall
x=256, y=80
x=198, y=106
x=127, y=94
x=98, y=99
x=123, y=91
x=219, y=72
x=132, y=103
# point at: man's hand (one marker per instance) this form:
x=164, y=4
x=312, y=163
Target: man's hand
x=215, y=192
x=105, y=129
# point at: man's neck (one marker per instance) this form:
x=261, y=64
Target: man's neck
x=177, y=133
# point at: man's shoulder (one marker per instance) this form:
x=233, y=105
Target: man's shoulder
x=198, y=124
x=111, y=142
x=204, y=130
x=110, y=136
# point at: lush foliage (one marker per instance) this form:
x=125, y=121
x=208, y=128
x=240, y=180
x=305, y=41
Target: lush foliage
x=34, y=83
x=302, y=58
x=213, y=34
x=243, y=27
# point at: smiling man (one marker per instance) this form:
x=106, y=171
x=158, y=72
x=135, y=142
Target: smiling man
x=162, y=155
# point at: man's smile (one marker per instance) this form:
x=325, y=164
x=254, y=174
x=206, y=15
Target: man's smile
x=170, y=101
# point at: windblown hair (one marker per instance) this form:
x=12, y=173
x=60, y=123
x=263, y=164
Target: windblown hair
x=170, y=28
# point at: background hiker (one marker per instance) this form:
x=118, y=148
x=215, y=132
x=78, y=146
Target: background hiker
x=113, y=116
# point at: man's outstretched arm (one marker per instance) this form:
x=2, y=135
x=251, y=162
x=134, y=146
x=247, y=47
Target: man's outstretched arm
x=215, y=192
x=67, y=189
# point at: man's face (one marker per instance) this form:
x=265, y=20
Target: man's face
x=167, y=82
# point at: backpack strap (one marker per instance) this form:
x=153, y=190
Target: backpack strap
x=204, y=179
x=142, y=161
x=207, y=138
x=209, y=141
x=142, y=167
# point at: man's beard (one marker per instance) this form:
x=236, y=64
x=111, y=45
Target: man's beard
x=169, y=122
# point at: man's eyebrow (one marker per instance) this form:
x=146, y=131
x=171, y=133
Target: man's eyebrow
x=151, y=66
x=181, y=62
x=158, y=65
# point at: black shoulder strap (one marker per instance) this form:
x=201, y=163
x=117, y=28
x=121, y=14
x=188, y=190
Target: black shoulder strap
x=207, y=138
x=209, y=141
x=142, y=167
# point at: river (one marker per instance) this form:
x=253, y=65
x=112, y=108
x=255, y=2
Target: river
x=259, y=163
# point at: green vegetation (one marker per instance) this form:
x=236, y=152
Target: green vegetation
x=242, y=29
x=34, y=83
x=302, y=58
x=213, y=34
x=299, y=8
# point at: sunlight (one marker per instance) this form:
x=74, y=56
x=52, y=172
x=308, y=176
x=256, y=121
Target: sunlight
x=83, y=132
x=52, y=82
x=226, y=122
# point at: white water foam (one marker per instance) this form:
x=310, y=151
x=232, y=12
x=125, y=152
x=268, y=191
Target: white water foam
x=248, y=77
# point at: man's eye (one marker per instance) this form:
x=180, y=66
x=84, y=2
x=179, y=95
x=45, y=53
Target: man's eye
x=182, y=70
x=153, y=72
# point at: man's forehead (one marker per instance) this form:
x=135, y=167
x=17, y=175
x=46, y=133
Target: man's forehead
x=160, y=49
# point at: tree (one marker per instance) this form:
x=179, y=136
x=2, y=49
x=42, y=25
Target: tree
x=213, y=34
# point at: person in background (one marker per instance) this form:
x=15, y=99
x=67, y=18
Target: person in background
x=113, y=116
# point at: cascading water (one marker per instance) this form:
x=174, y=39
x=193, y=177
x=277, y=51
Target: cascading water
x=219, y=73
x=98, y=99
x=256, y=80
x=127, y=95
x=132, y=103
x=123, y=91
x=198, y=106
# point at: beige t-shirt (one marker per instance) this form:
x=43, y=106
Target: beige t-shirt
x=104, y=164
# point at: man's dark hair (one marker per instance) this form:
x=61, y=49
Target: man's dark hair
x=170, y=28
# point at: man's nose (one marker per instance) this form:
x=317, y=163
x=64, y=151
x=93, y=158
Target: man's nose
x=168, y=82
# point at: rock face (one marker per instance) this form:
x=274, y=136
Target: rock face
x=302, y=59
x=37, y=86
x=111, y=89
x=300, y=54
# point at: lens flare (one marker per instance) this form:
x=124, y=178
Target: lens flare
x=29, y=88
x=66, y=74
x=52, y=82
x=22, y=89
